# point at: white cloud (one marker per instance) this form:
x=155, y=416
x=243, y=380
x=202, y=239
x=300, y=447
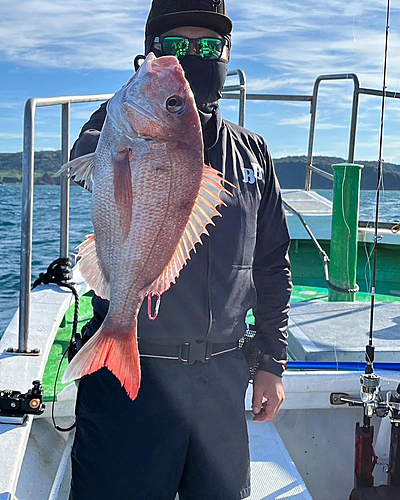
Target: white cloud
x=10, y=105
x=296, y=120
x=270, y=83
x=6, y=135
x=73, y=34
x=304, y=122
x=47, y=135
x=229, y=107
x=283, y=45
x=304, y=39
x=298, y=38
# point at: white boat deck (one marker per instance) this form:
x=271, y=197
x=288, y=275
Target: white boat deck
x=338, y=331
x=273, y=473
x=36, y=464
x=317, y=212
x=48, y=306
x=35, y=457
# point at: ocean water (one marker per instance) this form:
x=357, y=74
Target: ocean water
x=46, y=231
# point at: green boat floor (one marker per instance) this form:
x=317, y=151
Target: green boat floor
x=61, y=342
x=307, y=293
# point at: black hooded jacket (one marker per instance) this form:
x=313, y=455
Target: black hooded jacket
x=244, y=262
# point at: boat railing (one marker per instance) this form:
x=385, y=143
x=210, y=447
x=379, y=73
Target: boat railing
x=28, y=168
x=313, y=99
x=235, y=92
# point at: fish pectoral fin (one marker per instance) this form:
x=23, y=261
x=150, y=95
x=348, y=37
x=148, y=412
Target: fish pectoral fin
x=117, y=353
x=204, y=209
x=81, y=170
x=123, y=188
x=90, y=269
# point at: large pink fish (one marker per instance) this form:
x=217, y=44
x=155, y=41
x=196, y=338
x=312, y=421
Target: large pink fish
x=152, y=198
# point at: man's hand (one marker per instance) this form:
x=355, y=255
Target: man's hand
x=269, y=386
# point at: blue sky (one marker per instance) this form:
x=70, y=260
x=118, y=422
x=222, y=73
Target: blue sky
x=53, y=47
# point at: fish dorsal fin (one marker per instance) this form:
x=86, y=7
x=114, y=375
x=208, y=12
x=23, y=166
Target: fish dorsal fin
x=81, y=170
x=90, y=268
x=204, y=208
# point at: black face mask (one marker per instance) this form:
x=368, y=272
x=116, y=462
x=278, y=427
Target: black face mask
x=206, y=79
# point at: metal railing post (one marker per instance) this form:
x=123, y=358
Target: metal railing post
x=313, y=112
x=345, y=76
x=354, y=116
x=241, y=88
x=242, y=100
x=64, y=182
x=26, y=224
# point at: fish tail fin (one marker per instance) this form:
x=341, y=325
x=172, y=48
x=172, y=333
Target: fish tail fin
x=119, y=355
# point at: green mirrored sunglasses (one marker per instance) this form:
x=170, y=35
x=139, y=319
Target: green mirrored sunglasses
x=178, y=46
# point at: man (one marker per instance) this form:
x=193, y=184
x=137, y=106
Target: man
x=186, y=431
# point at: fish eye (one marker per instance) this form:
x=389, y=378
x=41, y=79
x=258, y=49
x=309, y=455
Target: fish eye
x=174, y=104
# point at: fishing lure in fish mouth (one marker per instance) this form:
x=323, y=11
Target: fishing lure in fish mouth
x=152, y=200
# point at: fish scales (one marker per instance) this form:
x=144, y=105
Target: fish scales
x=150, y=189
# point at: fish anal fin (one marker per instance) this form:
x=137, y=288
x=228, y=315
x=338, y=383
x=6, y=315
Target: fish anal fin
x=204, y=208
x=123, y=189
x=81, y=170
x=90, y=269
x=118, y=354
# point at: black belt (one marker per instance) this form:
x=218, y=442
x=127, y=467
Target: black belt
x=185, y=353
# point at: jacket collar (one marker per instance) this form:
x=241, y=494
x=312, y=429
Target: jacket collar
x=211, y=124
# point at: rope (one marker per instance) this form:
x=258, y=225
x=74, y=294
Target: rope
x=322, y=253
x=59, y=272
x=396, y=228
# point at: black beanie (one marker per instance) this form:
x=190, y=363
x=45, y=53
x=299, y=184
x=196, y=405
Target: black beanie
x=166, y=15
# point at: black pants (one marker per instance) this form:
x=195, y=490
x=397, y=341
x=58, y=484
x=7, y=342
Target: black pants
x=185, y=432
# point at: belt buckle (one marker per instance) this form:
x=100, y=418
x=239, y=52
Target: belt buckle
x=194, y=351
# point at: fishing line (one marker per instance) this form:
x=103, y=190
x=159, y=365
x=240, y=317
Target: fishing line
x=368, y=275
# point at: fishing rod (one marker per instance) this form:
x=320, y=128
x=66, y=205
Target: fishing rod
x=371, y=399
x=370, y=349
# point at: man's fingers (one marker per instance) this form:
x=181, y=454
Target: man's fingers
x=267, y=387
x=268, y=411
x=257, y=402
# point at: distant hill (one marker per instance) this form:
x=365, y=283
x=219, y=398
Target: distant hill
x=290, y=170
x=47, y=164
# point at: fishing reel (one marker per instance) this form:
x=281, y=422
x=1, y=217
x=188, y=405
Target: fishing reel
x=374, y=403
x=370, y=397
x=16, y=406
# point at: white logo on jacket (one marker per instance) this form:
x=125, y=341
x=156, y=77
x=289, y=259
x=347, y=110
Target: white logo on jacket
x=251, y=174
